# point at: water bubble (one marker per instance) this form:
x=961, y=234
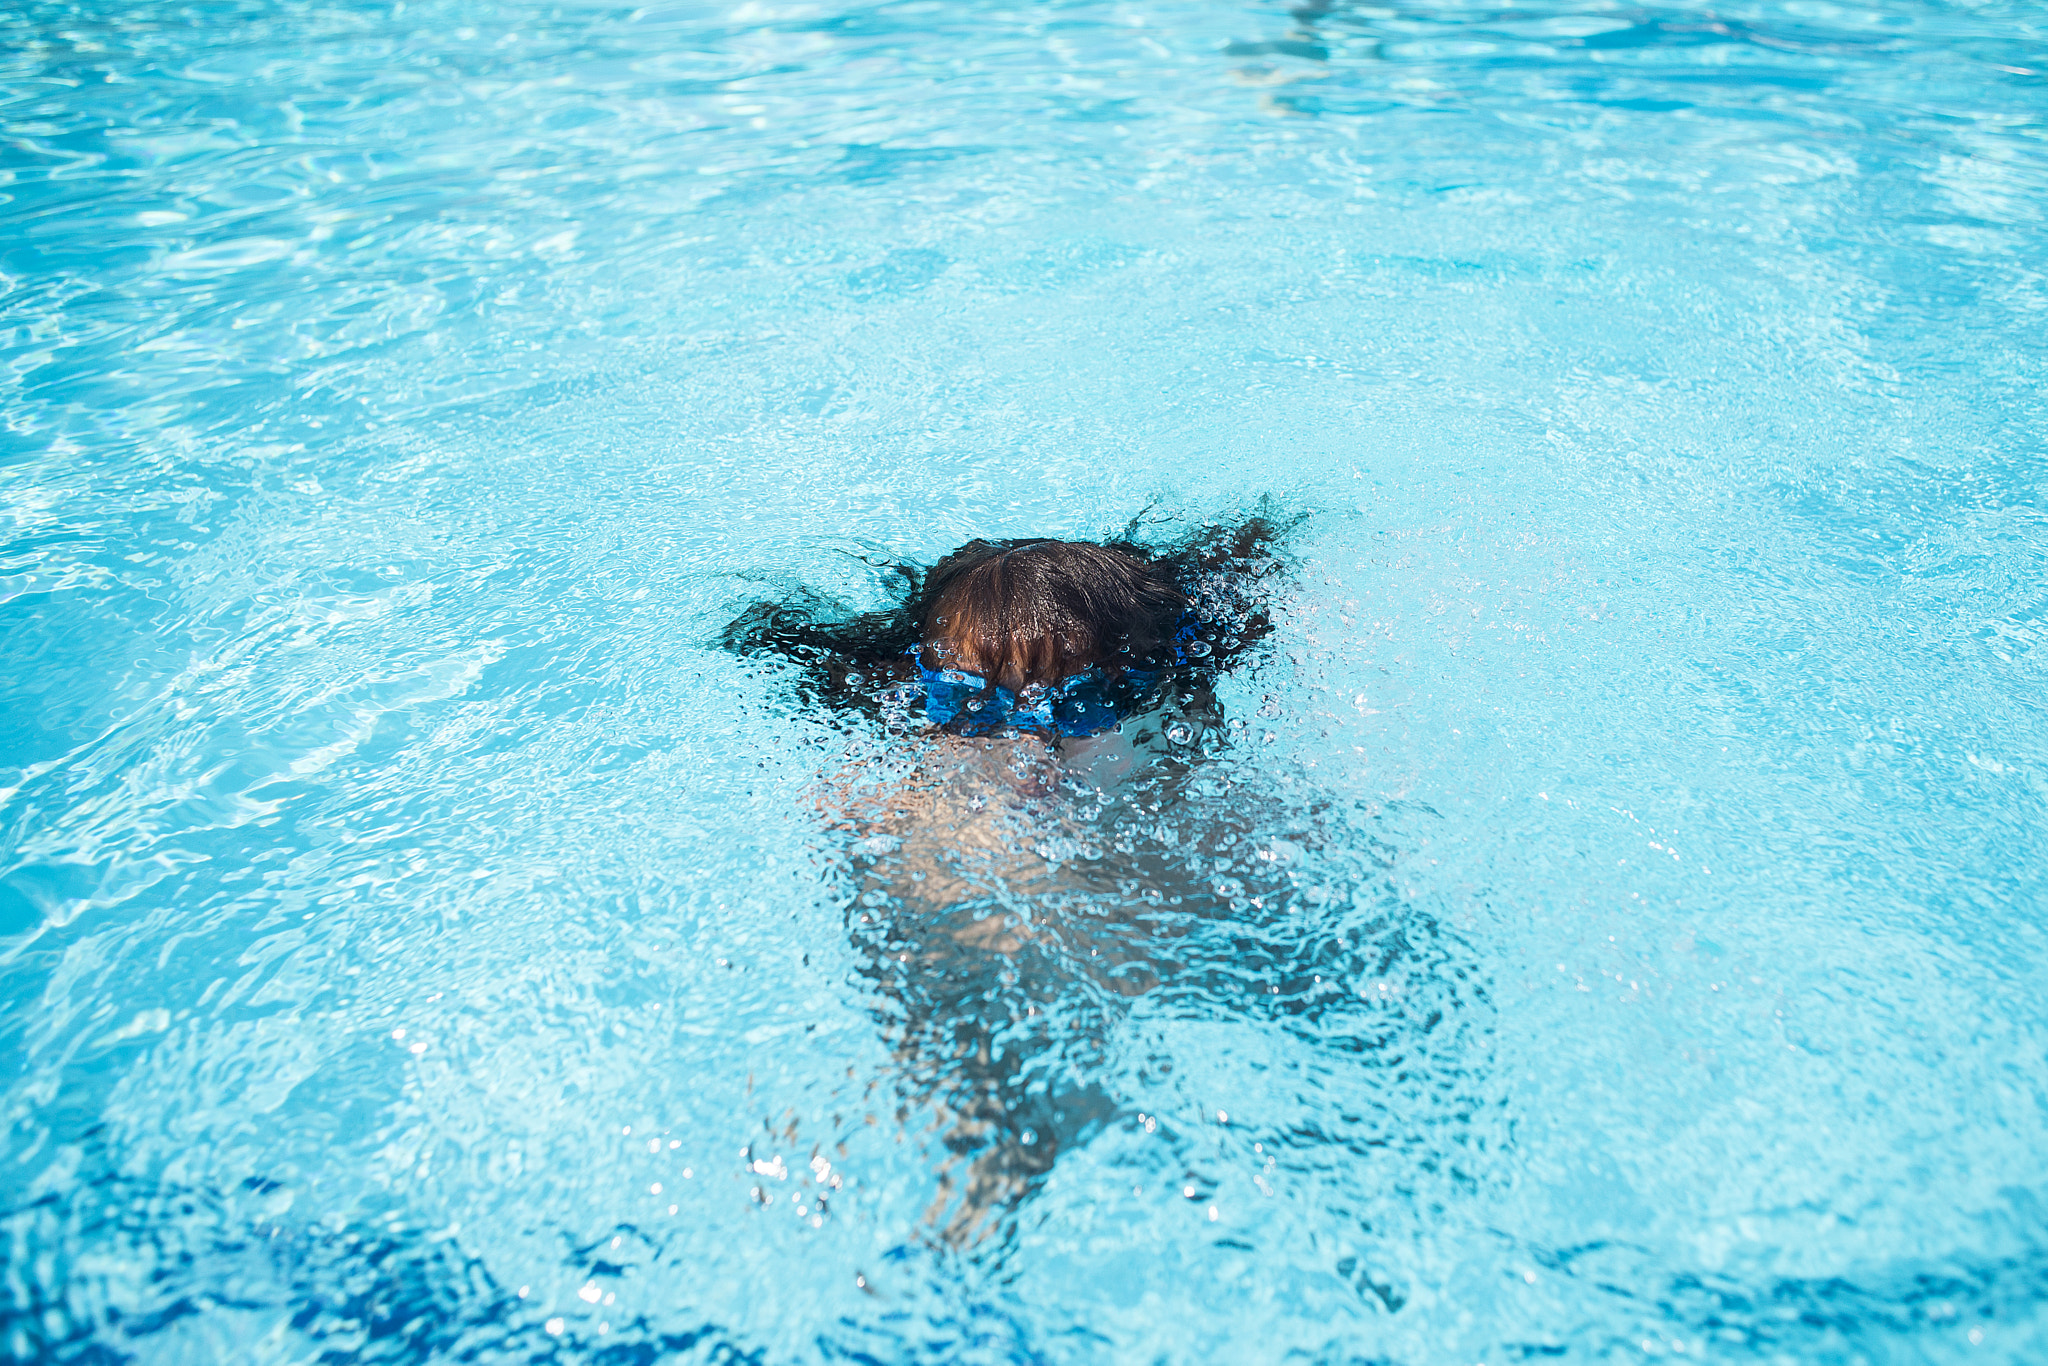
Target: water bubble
x=1180, y=732
x=1198, y=649
x=974, y=704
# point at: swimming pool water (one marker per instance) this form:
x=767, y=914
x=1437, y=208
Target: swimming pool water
x=1615, y=932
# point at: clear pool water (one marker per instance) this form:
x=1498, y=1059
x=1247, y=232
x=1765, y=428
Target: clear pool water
x=1616, y=932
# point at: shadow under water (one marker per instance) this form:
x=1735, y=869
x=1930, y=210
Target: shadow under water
x=126, y=1268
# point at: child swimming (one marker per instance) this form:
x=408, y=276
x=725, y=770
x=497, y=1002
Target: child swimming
x=1028, y=857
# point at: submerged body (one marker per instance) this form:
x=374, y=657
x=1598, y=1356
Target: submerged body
x=998, y=827
x=1014, y=901
x=1042, y=853
x=1004, y=909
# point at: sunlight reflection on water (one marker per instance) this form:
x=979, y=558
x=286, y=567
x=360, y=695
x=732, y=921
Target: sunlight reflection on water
x=1607, y=924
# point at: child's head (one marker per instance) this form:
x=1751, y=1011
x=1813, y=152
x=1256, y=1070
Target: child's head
x=1027, y=613
x=1149, y=622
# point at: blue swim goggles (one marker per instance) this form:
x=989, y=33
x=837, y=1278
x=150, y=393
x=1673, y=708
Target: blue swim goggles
x=1079, y=705
x=1075, y=706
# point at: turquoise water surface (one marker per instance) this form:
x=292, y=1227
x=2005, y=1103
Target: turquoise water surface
x=1610, y=928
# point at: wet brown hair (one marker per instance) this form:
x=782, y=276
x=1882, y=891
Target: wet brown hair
x=1041, y=607
x=1029, y=612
